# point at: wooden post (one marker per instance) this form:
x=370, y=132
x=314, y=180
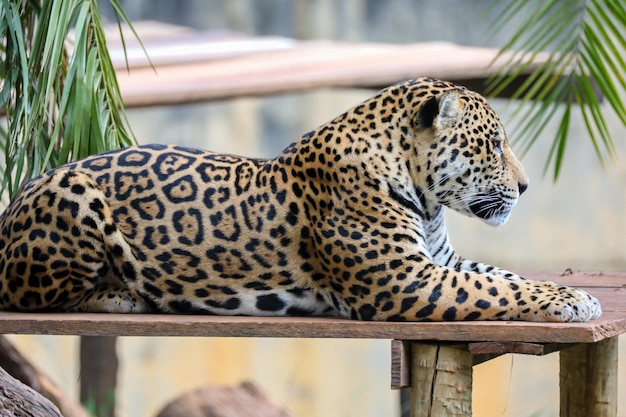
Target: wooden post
x=441, y=381
x=99, y=365
x=588, y=379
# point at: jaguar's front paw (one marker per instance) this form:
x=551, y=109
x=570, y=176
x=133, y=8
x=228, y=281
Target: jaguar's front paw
x=553, y=302
x=579, y=305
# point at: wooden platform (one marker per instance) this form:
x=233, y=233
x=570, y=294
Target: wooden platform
x=433, y=360
x=609, y=287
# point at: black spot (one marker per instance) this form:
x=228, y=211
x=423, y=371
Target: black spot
x=230, y=304
x=292, y=215
x=296, y=189
x=435, y=294
x=182, y=306
x=78, y=189
x=297, y=311
x=174, y=287
x=129, y=271
x=69, y=205
x=367, y=312
x=461, y=296
x=109, y=229
x=259, y=286
x=407, y=303
x=269, y=302
x=426, y=311
x=201, y=293
x=449, y=314
x=89, y=222
x=37, y=234
x=152, y=289
x=280, y=196
x=117, y=250
x=358, y=290
x=474, y=315
x=396, y=263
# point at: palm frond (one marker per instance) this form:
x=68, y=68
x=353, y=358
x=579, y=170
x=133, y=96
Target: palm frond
x=583, y=44
x=61, y=99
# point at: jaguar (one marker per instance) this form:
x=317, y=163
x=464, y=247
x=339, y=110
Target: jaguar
x=346, y=221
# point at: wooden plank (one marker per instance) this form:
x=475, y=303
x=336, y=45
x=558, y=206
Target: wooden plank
x=500, y=348
x=588, y=379
x=485, y=351
x=612, y=323
x=524, y=348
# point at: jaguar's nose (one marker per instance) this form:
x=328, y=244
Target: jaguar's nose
x=523, y=186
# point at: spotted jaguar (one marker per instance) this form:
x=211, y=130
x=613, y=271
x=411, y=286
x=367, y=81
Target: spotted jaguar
x=347, y=221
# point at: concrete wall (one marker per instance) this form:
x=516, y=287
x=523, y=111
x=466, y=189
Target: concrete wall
x=577, y=223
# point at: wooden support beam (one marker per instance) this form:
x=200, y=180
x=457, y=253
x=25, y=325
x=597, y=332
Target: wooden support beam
x=400, y=364
x=441, y=381
x=588, y=379
x=484, y=351
x=480, y=352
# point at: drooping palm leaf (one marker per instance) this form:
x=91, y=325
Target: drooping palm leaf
x=61, y=102
x=584, y=42
x=61, y=99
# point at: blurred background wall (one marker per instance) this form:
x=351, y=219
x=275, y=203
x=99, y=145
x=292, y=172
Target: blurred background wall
x=577, y=223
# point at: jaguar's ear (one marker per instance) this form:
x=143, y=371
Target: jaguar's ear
x=439, y=112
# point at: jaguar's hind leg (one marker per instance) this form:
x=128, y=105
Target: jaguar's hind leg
x=60, y=249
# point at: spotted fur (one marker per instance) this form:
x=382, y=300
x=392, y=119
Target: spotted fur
x=347, y=221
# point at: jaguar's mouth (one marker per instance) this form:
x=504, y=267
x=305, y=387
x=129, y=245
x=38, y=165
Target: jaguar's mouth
x=491, y=209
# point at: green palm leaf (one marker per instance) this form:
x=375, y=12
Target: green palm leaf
x=61, y=103
x=584, y=44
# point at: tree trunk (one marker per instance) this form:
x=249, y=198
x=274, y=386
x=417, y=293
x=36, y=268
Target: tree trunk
x=20, y=400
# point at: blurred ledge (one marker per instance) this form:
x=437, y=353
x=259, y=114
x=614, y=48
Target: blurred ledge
x=190, y=66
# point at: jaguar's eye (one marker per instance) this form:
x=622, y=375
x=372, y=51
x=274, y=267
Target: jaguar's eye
x=497, y=148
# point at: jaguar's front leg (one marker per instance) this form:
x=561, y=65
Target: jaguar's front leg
x=417, y=289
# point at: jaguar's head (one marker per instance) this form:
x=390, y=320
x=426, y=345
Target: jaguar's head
x=464, y=152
